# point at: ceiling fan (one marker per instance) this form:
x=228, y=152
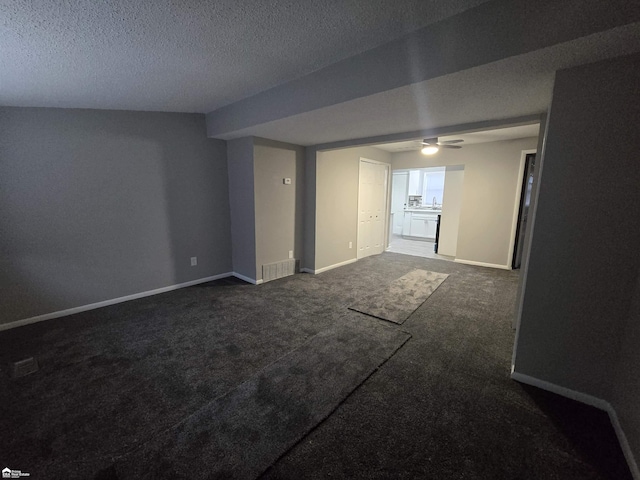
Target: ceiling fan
x=432, y=145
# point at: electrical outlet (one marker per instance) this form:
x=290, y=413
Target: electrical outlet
x=194, y=261
x=290, y=253
x=350, y=244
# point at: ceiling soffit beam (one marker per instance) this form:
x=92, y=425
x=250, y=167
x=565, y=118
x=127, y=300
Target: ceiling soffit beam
x=433, y=132
x=490, y=32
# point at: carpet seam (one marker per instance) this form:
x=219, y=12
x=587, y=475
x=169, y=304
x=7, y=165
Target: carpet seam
x=324, y=419
x=120, y=456
x=409, y=316
x=228, y=392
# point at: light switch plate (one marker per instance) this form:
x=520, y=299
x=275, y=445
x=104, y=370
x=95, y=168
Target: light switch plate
x=287, y=181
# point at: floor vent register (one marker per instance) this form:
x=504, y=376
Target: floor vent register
x=272, y=271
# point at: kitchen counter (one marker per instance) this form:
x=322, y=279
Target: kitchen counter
x=436, y=211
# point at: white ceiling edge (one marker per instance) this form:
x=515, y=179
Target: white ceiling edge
x=494, y=135
x=424, y=169
x=514, y=87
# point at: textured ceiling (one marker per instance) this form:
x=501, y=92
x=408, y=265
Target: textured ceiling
x=186, y=55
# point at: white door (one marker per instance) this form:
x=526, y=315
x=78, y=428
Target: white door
x=372, y=202
x=398, y=200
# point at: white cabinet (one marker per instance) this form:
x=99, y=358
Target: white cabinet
x=420, y=224
x=415, y=183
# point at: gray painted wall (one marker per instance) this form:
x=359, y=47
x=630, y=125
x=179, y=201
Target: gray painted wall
x=584, y=261
x=451, y=209
x=533, y=202
x=337, y=180
x=279, y=207
x=96, y=205
x=626, y=388
x=267, y=216
x=242, y=206
x=309, y=237
x=491, y=180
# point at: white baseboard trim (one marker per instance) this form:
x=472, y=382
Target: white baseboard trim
x=624, y=443
x=247, y=279
x=106, y=303
x=588, y=400
x=565, y=392
x=482, y=264
x=330, y=267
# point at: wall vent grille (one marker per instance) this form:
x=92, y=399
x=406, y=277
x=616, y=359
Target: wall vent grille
x=272, y=271
x=23, y=368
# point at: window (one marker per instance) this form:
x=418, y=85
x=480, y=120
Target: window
x=426, y=183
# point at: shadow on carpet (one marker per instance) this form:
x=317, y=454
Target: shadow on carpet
x=242, y=433
x=396, y=302
x=588, y=429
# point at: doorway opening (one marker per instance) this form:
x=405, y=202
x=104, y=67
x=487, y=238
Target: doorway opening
x=417, y=203
x=523, y=213
x=477, y=203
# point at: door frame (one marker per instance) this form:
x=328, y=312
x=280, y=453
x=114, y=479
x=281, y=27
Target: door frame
x=529, y=166
x=387, y=201
x=516, y=204
x=406, y=189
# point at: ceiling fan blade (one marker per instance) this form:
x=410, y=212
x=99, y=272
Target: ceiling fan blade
x=447, y=142
x=449, y=146
x=430, y=141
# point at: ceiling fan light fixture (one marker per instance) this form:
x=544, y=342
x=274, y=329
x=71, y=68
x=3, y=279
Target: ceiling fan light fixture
x=430, y=150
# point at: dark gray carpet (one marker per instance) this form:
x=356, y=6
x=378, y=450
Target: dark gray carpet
x=397, y=301
x=442, y=407
x=113, y=378
x=239, y=435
